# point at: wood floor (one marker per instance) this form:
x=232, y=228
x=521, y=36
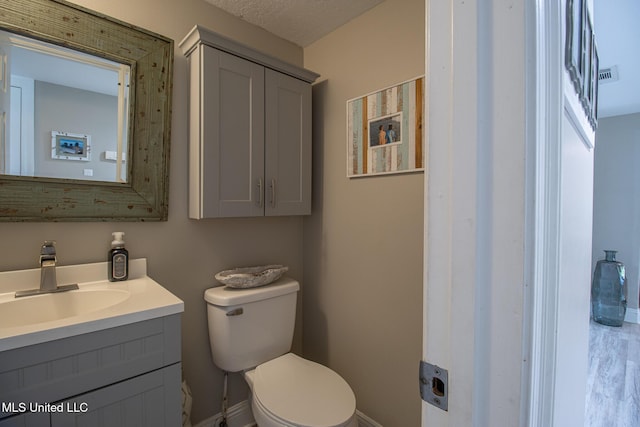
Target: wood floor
x=613, y=384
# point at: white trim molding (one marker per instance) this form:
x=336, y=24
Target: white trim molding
x=364, y=421
x=238, y=415
x=542, y=241
x=632, y=315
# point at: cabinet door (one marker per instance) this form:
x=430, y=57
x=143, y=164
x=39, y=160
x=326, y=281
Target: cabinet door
x=288, y=145
x=150, y=400
x=228, y=148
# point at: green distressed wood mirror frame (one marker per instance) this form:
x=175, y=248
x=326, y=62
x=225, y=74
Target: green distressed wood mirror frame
x=145, y=196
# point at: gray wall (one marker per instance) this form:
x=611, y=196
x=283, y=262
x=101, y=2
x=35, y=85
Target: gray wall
x=361, y=248
x=183, y=255
x=616, y=195
x=363, y=243
x=66, y=109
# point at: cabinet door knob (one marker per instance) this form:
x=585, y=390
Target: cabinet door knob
x=260, y=193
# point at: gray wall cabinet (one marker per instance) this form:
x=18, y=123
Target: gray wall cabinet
x=124, y=376
x=250, y=131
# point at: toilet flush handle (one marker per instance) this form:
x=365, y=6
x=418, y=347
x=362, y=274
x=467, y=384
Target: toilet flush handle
x=235, y=312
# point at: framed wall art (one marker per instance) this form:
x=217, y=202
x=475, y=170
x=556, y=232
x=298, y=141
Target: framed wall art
x=587, y=48
x=573, y=46
x=70, y=146
x=385, y=130
x=581, y=57
x=595, y=71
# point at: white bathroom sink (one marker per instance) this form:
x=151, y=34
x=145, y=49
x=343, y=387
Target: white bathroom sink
x=48, y=307
x=97, y=303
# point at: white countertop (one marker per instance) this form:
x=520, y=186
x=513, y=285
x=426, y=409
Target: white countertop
x=147, y=300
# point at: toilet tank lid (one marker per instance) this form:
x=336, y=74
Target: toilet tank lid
x=226, y=296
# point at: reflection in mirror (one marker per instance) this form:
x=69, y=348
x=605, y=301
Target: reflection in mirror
x=66, y=112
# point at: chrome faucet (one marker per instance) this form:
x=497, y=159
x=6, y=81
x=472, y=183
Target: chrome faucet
x=48, y=282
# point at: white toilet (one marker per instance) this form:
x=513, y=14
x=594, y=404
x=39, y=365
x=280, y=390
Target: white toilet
x=251, y=330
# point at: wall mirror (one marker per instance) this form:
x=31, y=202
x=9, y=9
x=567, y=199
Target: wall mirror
x=92, y=149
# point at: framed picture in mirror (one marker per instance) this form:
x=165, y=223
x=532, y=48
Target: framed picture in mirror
x=70, y=146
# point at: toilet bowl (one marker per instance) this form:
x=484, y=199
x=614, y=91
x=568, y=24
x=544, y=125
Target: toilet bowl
x=292, y=391
x=251, y=331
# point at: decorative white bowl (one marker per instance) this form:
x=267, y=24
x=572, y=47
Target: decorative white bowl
x=251, y=277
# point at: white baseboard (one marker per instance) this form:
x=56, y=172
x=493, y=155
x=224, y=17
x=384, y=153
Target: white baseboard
x=364, y=421
x=632, y=315
x=239, y=415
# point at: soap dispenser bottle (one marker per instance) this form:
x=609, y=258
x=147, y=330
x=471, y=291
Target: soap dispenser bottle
x=118, y=258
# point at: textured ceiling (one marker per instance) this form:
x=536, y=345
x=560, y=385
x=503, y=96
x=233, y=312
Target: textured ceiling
x=299, y=21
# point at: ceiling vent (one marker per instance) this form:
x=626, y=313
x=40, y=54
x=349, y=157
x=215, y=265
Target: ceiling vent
x=608, y=75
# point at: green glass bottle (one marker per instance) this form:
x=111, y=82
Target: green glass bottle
x=609, y=291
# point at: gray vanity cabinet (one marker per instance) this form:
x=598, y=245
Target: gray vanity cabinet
x=124, y=376
x=250, y=131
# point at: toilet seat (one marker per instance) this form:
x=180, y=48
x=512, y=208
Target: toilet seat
x=293, y=391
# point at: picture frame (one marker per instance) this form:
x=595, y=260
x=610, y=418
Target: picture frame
x=390, y=125
x=587, y=69
x=70, y=146
x=595, y=69
x=590, y=71
x=574, y=56
x=385, y=130
x=581, y=58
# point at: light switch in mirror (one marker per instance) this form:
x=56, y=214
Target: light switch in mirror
x=66, y=112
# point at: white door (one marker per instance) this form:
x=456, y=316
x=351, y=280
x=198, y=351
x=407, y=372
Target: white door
x=475, y=205
x=507, y=218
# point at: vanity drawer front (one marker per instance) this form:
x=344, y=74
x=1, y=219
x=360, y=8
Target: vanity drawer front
x=150, y=400
x=56, y=370
x=28, y=419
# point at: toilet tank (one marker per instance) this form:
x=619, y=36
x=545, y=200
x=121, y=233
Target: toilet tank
x=248, y=327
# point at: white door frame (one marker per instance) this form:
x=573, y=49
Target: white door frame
x=21, y=135
x=462, y=196
x=543, y=242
